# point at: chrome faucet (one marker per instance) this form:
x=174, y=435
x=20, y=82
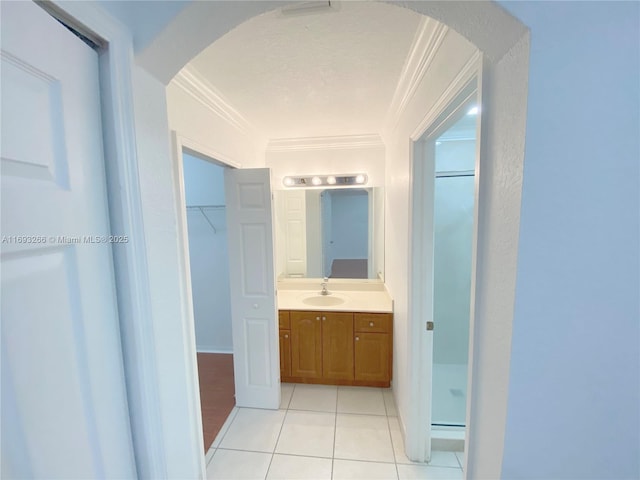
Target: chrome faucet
x=324, y=287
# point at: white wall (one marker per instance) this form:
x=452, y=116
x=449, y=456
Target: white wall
x=176, y=368
x=208, y=255
x=574, y=390
x=452, y=56
x=203, y=181
x=209, y=133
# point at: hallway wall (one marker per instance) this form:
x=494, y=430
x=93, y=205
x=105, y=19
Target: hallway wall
x=574, y=390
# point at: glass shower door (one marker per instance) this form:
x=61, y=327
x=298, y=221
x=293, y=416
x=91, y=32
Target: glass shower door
x=454, y=199
x=454, y=208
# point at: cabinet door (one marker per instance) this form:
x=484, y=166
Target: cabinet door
x=285, y=353
x=306, y=344
x=283, y=319
x=337, y=346
x=372, y=357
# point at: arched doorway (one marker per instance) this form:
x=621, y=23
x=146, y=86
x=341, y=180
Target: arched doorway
x=186, y=40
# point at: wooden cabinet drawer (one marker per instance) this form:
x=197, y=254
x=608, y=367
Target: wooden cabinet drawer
x=283, y=319
x=372, y=322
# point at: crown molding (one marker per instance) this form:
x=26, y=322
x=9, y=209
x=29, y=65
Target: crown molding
x=428, y=38
x=464, y=76
x=325, y=143
x=191, y=81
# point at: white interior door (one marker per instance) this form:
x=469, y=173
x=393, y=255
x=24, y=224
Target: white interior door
x=64, y=405
x=256, y=358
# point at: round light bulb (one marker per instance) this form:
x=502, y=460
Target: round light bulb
x=288, y=181
x=316, y=181
x=331, y=180
x=360, y=179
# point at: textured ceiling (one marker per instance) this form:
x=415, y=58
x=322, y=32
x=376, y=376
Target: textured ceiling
x=323, y=73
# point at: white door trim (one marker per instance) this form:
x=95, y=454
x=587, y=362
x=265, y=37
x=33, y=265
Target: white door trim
x=179, y=144
x=417, y=435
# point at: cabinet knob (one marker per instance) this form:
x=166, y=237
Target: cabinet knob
x=286, y=336
x=324, y=318
x=357, y=338
x=317, y=318
x=371, y=324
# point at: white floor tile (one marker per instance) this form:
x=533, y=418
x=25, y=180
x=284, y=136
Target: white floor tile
x=364, y=400
x=224, y=428
x=209, y=455
x=234, y=464
x=307, y=433
x=425, y=472
x=356, y=470
x=318, y=398
x=254, y=429
x=363, y=437
x=389, y=402
x=440, y=458
x=286, y=390
x=299, y=468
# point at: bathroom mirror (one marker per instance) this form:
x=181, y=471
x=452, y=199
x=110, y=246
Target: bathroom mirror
x=334, y=232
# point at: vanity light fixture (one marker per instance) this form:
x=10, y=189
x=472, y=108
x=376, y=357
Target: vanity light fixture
x=326, y=180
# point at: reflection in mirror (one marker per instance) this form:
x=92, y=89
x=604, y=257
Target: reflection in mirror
x=335, y=233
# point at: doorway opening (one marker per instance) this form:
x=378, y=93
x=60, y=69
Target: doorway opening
x=210, y=288
x=454, y=200
x=445, y=200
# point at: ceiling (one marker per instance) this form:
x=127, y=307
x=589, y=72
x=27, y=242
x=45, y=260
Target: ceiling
x=327, y=72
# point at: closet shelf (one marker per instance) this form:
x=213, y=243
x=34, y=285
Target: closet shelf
x=201, y=209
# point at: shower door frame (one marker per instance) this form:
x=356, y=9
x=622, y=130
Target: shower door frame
x=418, y=432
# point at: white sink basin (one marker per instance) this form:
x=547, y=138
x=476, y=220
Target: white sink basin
x=323, y=300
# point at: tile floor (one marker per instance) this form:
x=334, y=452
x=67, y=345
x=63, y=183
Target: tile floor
x=322, y=432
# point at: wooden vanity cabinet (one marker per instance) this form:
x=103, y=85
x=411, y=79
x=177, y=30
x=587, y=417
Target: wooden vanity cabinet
x=336, y=348
x=285, y=343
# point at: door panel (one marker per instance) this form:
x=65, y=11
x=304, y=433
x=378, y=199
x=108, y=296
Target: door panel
x=295, y=232
x=306, y=344
x=251, y=275
x=337, y=348
x=64, y=406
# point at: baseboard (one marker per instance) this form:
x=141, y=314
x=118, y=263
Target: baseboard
x=213, y=350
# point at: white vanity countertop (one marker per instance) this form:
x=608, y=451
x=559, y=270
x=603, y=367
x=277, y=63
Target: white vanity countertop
x=357, y=296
